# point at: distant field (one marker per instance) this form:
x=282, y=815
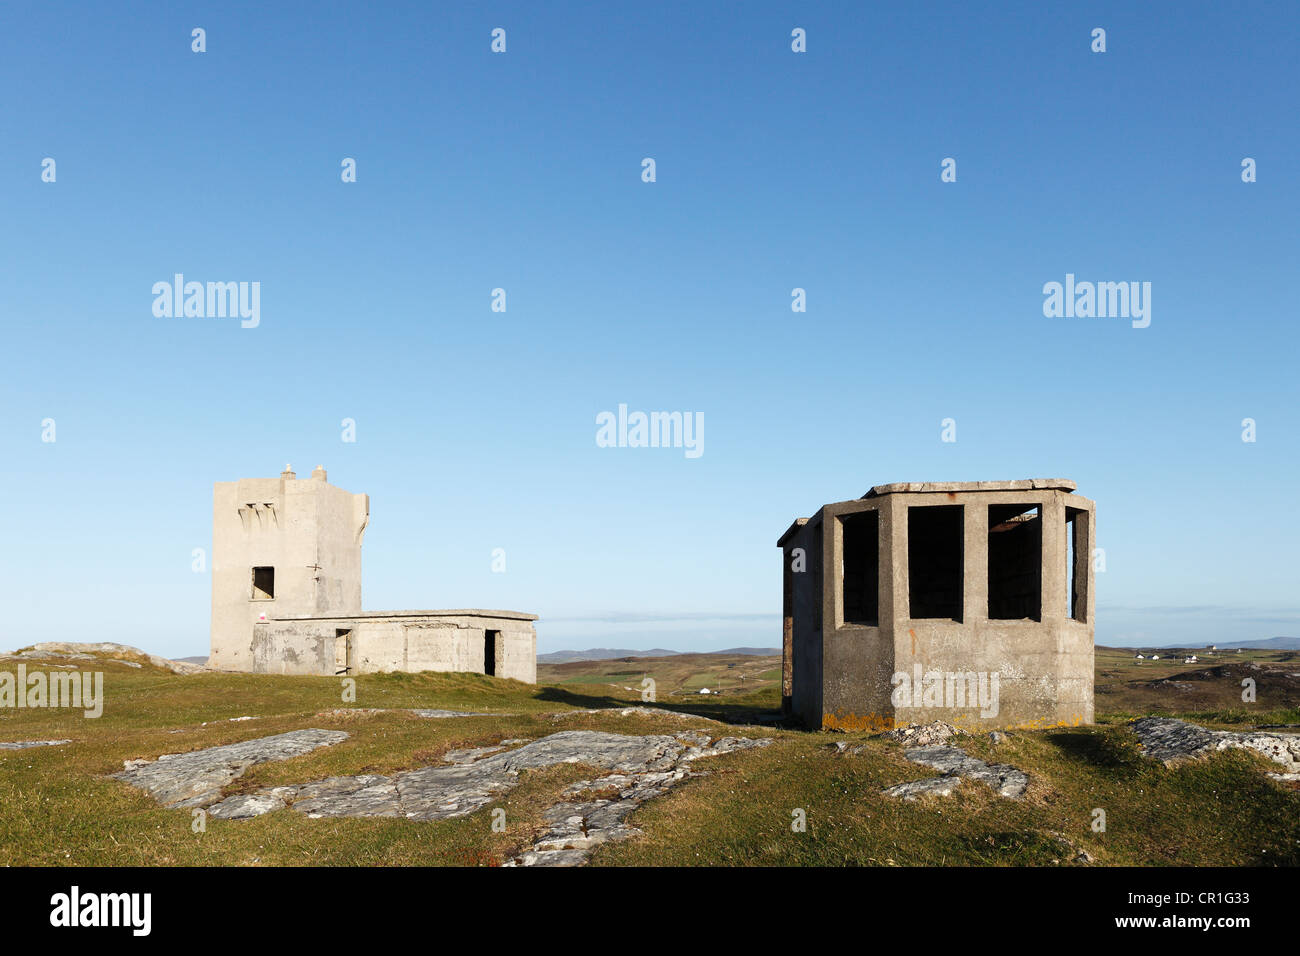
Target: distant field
x=679, y=675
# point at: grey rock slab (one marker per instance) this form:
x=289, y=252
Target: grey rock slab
x=633, y=712
x=195, y=779
x=1173, y=741
x=954, y=763
x=922, y=735
x=469, y=754
x=576, y=827
x=417, y=711
x=25, y=744
x=244, y=806
x=929, y=787
x=641, y=768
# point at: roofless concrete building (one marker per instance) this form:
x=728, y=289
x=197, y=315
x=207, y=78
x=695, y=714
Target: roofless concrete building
x=286, y=593
x=970, y=602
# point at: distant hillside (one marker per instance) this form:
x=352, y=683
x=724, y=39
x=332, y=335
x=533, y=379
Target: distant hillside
x=1267, y=644
x=611, y=653
x=601, y=654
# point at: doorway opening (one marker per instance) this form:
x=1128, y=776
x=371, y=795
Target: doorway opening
x=490, y=639
x=342, y=651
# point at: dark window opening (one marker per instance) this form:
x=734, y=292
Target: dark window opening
x=490, y=639
x=935, y=546
x=1076, y=557
x=1015, y=562
x=263, y=584
x=861, y=570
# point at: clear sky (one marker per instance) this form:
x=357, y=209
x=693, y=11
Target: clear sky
x=522, y=171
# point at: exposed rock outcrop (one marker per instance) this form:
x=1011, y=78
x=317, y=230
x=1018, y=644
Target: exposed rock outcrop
x=1174, y=741
x=418, y=712
x=922, y=735
x=577, y=827
x=25, y=744
x=70, y=650
x=641, y=767
x=195, y=779
x=955, y=764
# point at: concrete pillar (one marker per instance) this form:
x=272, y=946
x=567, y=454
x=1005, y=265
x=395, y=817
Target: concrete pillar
x=1055, y=573
x=975, y=562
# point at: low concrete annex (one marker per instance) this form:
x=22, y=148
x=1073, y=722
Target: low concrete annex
x=970, y=602
x=286, y=593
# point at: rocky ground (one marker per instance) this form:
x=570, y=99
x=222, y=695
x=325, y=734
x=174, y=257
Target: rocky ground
x=641, y=768
x=1173, y=741
x=81, y=651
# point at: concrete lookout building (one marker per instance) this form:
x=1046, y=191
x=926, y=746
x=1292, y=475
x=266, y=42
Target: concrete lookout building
x=286, y=593
x=970, y=602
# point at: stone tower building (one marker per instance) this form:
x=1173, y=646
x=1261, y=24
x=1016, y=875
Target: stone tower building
x=286, y=593
x=281, y=547
x=969, y=602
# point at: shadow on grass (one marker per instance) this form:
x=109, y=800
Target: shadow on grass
x=1093, y=748
x=737, y=712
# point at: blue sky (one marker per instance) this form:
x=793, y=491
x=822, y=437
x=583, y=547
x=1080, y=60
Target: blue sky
x=476, y=429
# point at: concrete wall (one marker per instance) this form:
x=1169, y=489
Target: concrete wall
x=805, y=631
x=1044, y=667
x=857, y=659
x=307, y=530
x=397, y=641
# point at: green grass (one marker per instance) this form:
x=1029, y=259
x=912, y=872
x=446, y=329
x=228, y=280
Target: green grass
x=58, y=807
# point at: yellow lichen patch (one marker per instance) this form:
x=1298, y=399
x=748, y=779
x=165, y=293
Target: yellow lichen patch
x=873, y=723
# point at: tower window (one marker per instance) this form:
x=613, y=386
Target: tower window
x=263, y=584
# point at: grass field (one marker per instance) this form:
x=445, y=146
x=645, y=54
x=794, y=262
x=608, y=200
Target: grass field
x=57, y=805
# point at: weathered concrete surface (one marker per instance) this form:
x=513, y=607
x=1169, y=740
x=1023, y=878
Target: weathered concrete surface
x=955, y=764
x=72, y=650
x=25, y=744
x=1174, y=741
x=845, y=654
x=195, y=779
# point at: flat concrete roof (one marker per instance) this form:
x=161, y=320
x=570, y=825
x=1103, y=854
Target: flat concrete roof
x=1018, y=484
x=374, y=615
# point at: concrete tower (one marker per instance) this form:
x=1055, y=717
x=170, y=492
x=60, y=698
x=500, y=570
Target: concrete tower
x=281, y=547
